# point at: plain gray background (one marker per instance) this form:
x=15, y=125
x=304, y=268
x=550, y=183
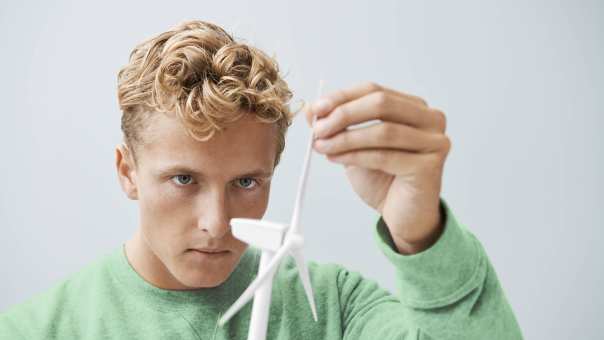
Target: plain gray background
x=521, y=83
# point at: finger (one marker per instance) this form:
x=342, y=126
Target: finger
x=328, y=102
x=385, y=107
x=417, y=100
x=394, y=162
x=382, y=135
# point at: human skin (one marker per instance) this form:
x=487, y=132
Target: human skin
x=189, y=207
x=395, y=166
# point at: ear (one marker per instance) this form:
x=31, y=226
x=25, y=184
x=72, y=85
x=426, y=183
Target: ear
x=126, y=170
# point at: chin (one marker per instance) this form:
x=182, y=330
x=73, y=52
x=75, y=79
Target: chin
x=205, y=276
x=195, y=271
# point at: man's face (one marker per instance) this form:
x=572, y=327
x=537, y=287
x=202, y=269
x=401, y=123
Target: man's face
x=189, y=190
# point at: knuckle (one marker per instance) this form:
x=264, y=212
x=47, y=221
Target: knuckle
x=441, y=120
x=340, y=115
x=447, y=144
x=380, y=99
x=443, y=147
x=387, y=131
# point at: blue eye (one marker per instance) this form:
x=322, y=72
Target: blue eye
x=246, y=183
x=183, y=180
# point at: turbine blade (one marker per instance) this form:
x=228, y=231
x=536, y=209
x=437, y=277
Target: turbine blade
x=305, y=277
x=295, y=222
x=249, y=292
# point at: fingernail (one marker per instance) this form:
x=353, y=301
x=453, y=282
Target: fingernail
x=321, y=105
x=320, y=145
x=319, y=128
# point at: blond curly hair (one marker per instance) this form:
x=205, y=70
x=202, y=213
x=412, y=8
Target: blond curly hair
x=198, y=71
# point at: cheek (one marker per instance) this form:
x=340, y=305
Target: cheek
x=163, y=216
x=163, y=200
x=251, y=205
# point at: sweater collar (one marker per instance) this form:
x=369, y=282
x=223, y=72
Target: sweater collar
x=217, y=298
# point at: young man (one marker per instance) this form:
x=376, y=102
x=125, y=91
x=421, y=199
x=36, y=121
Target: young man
x=204, y=122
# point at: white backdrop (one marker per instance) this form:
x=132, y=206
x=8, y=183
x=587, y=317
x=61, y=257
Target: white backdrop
x=520, y=81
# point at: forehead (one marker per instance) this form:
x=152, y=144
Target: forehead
x=241, y=146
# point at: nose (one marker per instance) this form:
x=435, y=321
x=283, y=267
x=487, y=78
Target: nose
x=213, y=216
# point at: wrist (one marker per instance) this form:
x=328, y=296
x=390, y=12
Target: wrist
x=417, y=243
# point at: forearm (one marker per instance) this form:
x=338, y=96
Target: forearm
x=450, y=290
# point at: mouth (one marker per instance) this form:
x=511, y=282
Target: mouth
x=207, y=251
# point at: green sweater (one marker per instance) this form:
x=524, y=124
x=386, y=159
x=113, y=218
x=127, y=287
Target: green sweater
x=449, y=291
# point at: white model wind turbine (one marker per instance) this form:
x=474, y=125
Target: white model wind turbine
x=276, y=241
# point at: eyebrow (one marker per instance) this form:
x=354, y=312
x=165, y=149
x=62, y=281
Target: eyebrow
x=259, y=173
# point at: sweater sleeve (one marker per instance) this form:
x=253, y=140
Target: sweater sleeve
x=8, y=329
x=448, y=291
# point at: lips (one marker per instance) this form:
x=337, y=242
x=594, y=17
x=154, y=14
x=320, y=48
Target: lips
x=209, y=250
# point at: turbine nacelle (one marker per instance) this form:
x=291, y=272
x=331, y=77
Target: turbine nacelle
x=259, y=233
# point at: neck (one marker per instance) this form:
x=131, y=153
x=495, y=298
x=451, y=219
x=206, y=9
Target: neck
x=144, y=261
